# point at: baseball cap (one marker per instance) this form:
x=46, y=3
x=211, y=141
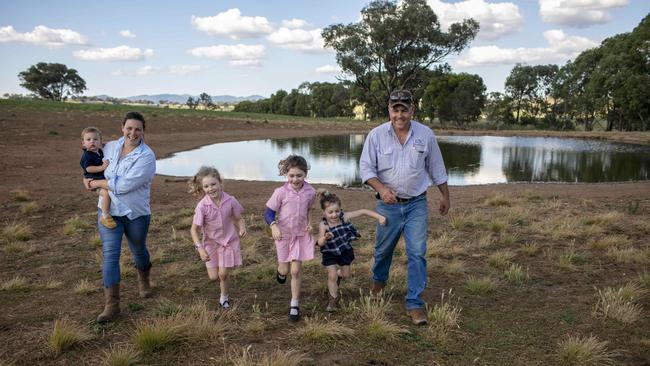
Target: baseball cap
x=402, y=97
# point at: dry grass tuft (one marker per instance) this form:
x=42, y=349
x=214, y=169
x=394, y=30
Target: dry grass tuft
x=480, y=285
x=626, y=255
x=84, y=287
x=245, y=357
x=75, y=225
x=516, y=274
x=16, y=284
x=453, y=267
x=585, y=351
x=16, y=232
x=620, y=304
x=530, y=249
x=444, y=317
x=317, y=331
x=95, y=241
x=500, y=258
x=372, y=307
x=378, y=330
x=121, y=356
x=53, y=284
x=611, y=241
x=15, y=247
x=67, y=334
x=29, y=208
x=158, y=333
x=498, y=200
x=605, y=219
x=251, y=250
x=20, y=195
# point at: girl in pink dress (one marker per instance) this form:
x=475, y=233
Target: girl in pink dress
x=216, y=228
x=287, y=213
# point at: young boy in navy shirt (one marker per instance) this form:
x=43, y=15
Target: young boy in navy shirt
x=93, y=164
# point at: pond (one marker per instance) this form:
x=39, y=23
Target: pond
x=469, y=159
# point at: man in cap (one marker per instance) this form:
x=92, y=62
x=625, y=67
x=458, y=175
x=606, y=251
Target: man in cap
x=398, y=159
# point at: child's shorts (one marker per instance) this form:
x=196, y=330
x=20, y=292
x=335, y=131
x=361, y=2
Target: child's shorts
x=344, y=259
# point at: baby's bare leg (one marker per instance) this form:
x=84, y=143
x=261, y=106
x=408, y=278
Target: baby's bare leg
x=106, y=202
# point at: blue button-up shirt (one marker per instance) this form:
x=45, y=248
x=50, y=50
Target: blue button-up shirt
x=405, y=169
x=129, y=179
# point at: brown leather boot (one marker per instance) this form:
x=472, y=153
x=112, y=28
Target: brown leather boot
x=377, y=288
x=332, y=304
x=111, y=304
x=418, y=316
x=144, y=287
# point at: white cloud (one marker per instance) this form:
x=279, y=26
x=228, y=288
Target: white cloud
x=298, y=39
x=295, y=23
x=147, y=70
x=230, y=23
x=127, y=34
x=185, y=69
x=328, y=69
x=238, y=55
x=495, y=19
x=561, y=47
x=578, y=13
x=42, y=35
x=120, y=53
x=118, y=72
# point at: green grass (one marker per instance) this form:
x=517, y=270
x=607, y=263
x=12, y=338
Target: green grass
x=321, y=332
x=158, y=333
x=16, y=232
x=444, y=317
x=480, y=285
x=516, y=274
x=16, y=284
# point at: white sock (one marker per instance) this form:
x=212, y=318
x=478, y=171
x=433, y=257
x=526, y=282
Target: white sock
x=223, y=299
x=294, y=302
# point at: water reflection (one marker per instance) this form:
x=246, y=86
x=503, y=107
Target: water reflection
x=469, y=159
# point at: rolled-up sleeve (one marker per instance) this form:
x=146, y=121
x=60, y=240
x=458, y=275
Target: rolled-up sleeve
x=368, y=160
x=140, y=173
x=435, y=163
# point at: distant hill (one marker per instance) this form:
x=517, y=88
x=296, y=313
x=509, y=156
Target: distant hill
x=182, y=98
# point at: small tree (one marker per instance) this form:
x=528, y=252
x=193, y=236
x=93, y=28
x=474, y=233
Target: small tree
x=52, y=81
x=206, y=100
x=192, y=103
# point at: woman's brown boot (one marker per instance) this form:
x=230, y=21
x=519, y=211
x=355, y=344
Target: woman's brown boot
x=112, y=304
x=144, y=287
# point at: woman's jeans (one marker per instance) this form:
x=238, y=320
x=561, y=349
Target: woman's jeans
x=136, y=234
x=410, y=219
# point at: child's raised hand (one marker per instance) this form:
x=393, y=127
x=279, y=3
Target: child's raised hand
x=382, y=220
x=204, y=255
x=328, y=235
x=275, y=232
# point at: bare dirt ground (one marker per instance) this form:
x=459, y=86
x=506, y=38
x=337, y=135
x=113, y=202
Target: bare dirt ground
x=514, y=325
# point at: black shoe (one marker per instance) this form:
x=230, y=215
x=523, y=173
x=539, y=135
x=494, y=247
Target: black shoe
x=280, y=278
x=294, y=318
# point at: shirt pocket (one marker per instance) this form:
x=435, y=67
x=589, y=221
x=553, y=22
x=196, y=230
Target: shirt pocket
x=417, y=156
x=385, y=159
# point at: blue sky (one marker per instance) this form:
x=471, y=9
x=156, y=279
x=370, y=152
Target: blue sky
x=124, y=48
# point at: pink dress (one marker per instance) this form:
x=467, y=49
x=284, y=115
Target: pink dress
x=220, y=235
x=292, y=209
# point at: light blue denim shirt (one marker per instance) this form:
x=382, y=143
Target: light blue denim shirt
x=405, y=169
x=129, y=179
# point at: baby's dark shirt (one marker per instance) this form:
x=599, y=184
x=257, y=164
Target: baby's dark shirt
x=90, y=158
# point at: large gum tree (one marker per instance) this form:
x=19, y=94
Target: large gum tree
x=392, y=44
x=52, y=81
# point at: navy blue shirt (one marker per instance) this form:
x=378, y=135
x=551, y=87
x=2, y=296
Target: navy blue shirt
x=90, y=158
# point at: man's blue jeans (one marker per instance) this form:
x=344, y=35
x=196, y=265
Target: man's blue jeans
x=136, y=234
x=410, y=219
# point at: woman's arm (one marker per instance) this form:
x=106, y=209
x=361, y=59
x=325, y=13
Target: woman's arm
x=363, y=211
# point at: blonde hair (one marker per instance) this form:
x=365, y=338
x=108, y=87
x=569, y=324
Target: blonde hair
x=195, y=185
x=91, y=130
x=292, y=161
x=326, y=198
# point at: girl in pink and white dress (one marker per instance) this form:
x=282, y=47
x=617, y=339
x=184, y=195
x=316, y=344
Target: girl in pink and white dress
x=216, y=228
x=287, y=213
